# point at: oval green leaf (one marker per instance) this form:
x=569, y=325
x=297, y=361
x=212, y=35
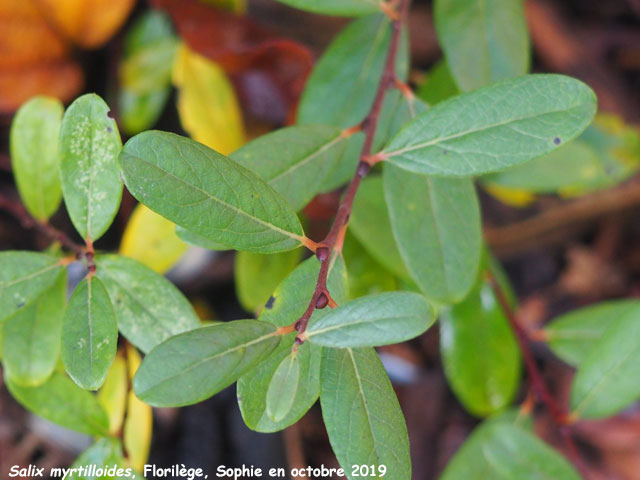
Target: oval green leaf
x=195, y=365
x=436, y=224
x=573, y=335
x=607, y=378
x=344, y=8
x=362, y=414
x=253, y=386
x=61, y=401
x=495, y=127
x=31, y=337
x=23, y=277
x=105, y=453
x=483, y=42
x=295, y=161
x=480, y=355
x=34, y=155
x=501, y=451
x=342, y=85
x=89, y=334
x=258, y=275
x=382, y=319
x=208, y=194
x=149, y=308
x=89, y=147
x=283, y=388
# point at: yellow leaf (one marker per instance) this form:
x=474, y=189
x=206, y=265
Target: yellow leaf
x=139, y=421
x=207, y=103
x=152, y=240
x=113, y=394
x=511, y=196
x=89, y=23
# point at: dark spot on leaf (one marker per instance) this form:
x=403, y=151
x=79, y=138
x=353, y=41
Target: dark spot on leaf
x=445, y=152
x=109, y=129
x=20, y=304
x=270, y=302
x=252, y=195
x=557, y=140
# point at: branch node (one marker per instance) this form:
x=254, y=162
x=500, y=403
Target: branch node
x=322, y=253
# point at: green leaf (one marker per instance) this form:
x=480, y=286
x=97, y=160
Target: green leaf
x=345, y=8
x=198, y=240
x=290, y=299
x=439, y=84
x=31, y=340
x=61, y=401
x=283, y=387
x=23, y=277
x=573, y=335
x=607, y=378
x=370, y=224
x=500, y=451
x=342, y=85
x=483, y=42
x=149, y=308
x=480, y=355
x=383, y=319
x=208, y=194
x=89, y=147
x=253, y=386
x=89, y=334
x=436, y=224
x=145, y=73
x=34, y=155
x=258, y=275
x=366, y=275
x=572, y=165
x=298, y=171
x=362, y=414
x=104, y=453
x=495, y=127
x=195, y=365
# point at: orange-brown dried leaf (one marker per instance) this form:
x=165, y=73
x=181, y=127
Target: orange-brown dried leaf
x=62, y=80
x=88, y=23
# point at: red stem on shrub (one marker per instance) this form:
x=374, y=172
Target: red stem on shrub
x=333, y=241
x=538, y=386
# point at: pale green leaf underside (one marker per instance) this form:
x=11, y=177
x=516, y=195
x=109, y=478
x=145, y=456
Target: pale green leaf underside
x=483, y=41
x=89, y=334
x=382, y=319
x=436, y=224
x=61, y=401
x=195, y=365
x=573, y=335
x=23, y=277
x=295, y=161
x=607, y=378
x=149, y=308
x=34, y=155
x=104, y=453
x=283, y=387
x=362, y=414
x=89, y=148
x=253, y=386
x=500, y=451
x=495, y=127
x=208, y=194
x=345, y=8
x=31, y=337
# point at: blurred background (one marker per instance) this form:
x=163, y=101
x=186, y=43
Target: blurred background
x=225, y=71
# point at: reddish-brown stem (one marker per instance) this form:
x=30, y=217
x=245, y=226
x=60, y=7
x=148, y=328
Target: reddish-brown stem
x=369, y=126
x=538, y=386
x=27, y=221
